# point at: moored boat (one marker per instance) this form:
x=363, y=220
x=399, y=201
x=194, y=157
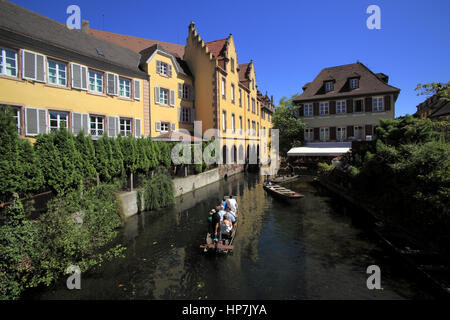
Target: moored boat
x=281, y=192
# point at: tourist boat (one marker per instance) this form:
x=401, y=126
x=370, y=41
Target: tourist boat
x=284, y=179
x=281, y=192
x=428, y=264
x=226, y=246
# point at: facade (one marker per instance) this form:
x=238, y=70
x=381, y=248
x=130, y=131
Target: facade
x=434, y=108
x=345, y=103
x=107, y=83
x=75, y=81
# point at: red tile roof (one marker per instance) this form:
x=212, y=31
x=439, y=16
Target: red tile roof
x=216, y=47
x=243, y=68
x=137, y=44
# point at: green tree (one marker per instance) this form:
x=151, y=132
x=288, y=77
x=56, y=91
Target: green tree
x=290, y=127
x=439, y=88
x=85, y=147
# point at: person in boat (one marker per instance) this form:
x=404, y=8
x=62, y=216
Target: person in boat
x=215, y=225
x=225, y=228
x=232, y=203
x=224, y=203
x=221, y=211
x=231, y=216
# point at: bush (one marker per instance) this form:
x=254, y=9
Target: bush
x=158, y=191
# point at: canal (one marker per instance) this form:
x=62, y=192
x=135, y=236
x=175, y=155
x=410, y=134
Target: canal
x=313, y=250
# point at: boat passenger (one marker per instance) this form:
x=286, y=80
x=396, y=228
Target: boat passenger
x=232, y=203
x=225, y=227
x=221, y=211
x=231, y=215
x=215, y=223
x=224, y=202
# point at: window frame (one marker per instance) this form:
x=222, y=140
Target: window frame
x=129, y=88
x=224, y=88
x=57, y=63
x=125, y=132
x=327, y=129
x=362, y=105
x=96, y=86
x=327, y=109
x=18, y=115
x=58, y=120
x=354, y=80
x=309, y=134
x=4, y=58
x=343, y=129
x=376, y=105
x=310, y=114
x=96, y=122
x=329, y=86
x=343, y=106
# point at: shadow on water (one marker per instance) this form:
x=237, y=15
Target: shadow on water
x=311, y=250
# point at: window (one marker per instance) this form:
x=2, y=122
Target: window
x=186, y=90
x=58, y=120
x=248, y=127
x=359, y=132
x=324, y=134
x=96, y=81
x=308, y=110
x=8, y=62
x=257, y=128
x=186, y=115
x=248, y=102
x=232, y=93
x=324, y=109
x=162, y=68
x=240, y=97
x=377, y=104
x=125, y=127
x=240, y=124
x=232, y=65
x=253, y=128
x=165, y=126
x=233, y=123
x=253, y=105
x=329, y=86
x=309, y=134
x=15, y=113
x=354, y=83
x=341, y=133
x=124, y=87
x=358, y=105
x=340, y=107
x=57, y=73
x=223, y=88
x=164, y=96
x=224, y=120
x=97, y=125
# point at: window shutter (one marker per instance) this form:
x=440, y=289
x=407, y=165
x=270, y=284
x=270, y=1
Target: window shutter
x=349, y=106
x=316, y=108
x=387, y=103
x=332, y=133
x=112, y=130
x=84, y=77
x=333, y=109
x=316, y=133
x=42, y=117
x=368, y=107
x=40, y=68
x=77, y=123
x=180, y=114
x=157, y=95
x=172, y=126
x=180, y=91
x=158, y=66
x=137, y=90
x=158, y=126
x=137, y=128
x=31, y=122
x=111, y=84
x=85, y=125
x=172, y=98
x=350, y=131
x=170, y=70
x=301, y=110
x=29, y=65
x=76, y=76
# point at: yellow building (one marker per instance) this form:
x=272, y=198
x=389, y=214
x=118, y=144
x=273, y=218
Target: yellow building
x=53, y=78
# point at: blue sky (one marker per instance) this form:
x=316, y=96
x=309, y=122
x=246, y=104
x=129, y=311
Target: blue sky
x=290, y=42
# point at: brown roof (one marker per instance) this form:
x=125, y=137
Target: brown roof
x=138, y=44
x=438, y=106
x=243, y=68
x=216, y=47
x=369, y=83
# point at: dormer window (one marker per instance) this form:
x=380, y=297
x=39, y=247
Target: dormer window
x=354, y=83
x=329, y=86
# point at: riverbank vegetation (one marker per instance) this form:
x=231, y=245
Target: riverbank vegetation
x=405, y=175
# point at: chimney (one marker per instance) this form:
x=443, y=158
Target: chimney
x=271, y=99
x=85, y=26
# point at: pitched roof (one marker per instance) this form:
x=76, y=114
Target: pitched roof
x=369, y=83
x=138, y=44
x=243, y=69
x=31, y=30
x=216, y=47
x=179, y=63
x=439, y=107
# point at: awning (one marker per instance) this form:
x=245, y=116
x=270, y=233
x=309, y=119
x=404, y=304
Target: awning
x=177, y=136
x=326, y=149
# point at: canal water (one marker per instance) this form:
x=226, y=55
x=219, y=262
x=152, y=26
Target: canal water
x=315, y=249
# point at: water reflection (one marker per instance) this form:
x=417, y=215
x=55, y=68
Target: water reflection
x=311, y=250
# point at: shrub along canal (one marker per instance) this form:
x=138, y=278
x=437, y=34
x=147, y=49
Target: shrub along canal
x=310, y=250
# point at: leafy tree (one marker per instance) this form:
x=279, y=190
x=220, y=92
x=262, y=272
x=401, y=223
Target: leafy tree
x=439, y=88
x=86, y=148
x=290, y=127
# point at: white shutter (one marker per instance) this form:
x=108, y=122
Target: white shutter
x=85, y=124
x=35, y=121
x=137, y=90
x=112, y=126
x=84, y=78
x=172, y=98
x=116, y=84
x=172, y=126
x=79, y=76
x=137, y=128
x=170, y=71
x=157, y=95
x=158, y=126
x=180, y=114
x=158, y=66
x=180, y=91
x=77, y=122
x=111, y=84
x=28, y=65
x=40, y=68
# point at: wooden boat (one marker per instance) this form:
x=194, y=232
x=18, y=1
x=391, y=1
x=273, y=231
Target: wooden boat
x=284, y=179
x=224, y=247
x=282, y=192
x=428, y=264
